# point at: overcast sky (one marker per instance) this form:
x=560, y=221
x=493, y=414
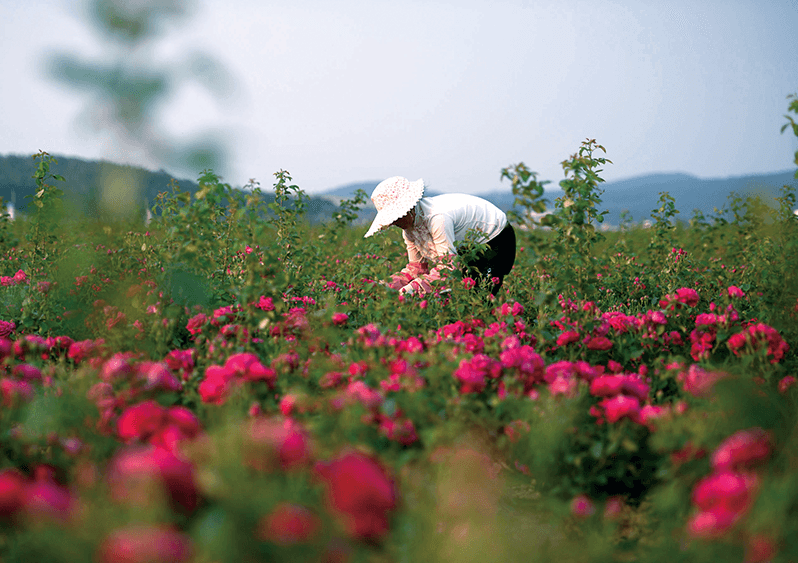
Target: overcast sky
x=452, y=91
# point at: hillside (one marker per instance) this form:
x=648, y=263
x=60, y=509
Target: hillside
x=640, y=195
x=84, y=178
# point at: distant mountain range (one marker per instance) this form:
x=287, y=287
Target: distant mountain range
x=638, y=196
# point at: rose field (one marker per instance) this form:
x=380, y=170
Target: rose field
x=231, y=383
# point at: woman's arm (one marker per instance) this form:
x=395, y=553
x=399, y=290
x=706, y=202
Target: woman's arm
x=443, y=243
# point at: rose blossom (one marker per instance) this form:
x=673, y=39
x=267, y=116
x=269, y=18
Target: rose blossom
x=742, y=450
x=288, y=524
x=143, y=543
x=361, y=493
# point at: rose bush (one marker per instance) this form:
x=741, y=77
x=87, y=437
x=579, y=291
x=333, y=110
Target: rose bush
x=191, y=391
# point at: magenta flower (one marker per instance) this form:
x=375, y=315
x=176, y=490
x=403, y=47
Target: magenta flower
x=621, y=406
x=742, y=450
x=140, y=421
x=361, y=493
x=265, y=303
x=607, y=385
x=786, y=382
x=567, y=337
x=688, y=296
x=760, y=336
x=599, y=343
x=699, y=382
x=12, y=493
x=735, y=291
x=7, y=328
x=144, y=543
x=44, y=499
x=340, y=319
x=276, y=443
x=472, y=379
x=135, y=465
x=722, y=499
x=288, y=524
x=582, y=506
x=214, y=388
x=401, y=430
x=196, y=323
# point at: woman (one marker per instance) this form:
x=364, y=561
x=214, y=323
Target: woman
x=431, y=228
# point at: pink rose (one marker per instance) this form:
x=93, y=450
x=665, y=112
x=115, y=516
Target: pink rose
x=742, y=450
x=288, y=524
x=339, y=319
x=145, y=543
x=582, y=506
x=621, y=406
x=360, y=492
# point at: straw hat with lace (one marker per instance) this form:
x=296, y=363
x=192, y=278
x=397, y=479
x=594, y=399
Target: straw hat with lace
x=394, y=198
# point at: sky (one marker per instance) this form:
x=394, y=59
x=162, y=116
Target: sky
x=449, y=91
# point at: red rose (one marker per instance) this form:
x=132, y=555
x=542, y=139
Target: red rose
x=361, y=493
x=140, y=421
x=141, y=543
x=288, y=524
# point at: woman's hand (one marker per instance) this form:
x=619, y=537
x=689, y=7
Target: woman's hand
x=407, y=289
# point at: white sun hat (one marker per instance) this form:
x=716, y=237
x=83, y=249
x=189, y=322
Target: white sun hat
x=393, y=198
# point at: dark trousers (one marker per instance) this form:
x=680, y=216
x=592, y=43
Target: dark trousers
x=496, y=261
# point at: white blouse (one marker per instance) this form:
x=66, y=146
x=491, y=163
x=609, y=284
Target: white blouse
x=441, y=222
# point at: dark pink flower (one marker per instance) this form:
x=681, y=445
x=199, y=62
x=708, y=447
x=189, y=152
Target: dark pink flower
x=116, y=368
x=216, y=385
x=688, y=296
x=83, y=349
x=340, y=319
x=582, y=506
x=599, y=343
x=288, y=524
x=7, y=328
x=181, y=361
x=473, y=373
x=760, y=548
x=156, y=375
x=274, y=443
x=196, y=323
x=735, y=291
x=722, y=498
x=607, y=385
x=45, y=499
x=635, y=387
x=12, y=390
x=135, y=469
x=401, y=430
x=567, y=338
x=265, y=303
x=621, y=406
x=742, y=450
x=27, y=372
x=699, y=382
x=140, y=421
x=12, y=493
x=786, y=382
x=360, y=492
x=144, y=543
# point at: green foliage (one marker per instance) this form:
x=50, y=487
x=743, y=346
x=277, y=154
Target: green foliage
x=47, y=213
x=791, y=123
x=528, y=192
x=482, y=410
